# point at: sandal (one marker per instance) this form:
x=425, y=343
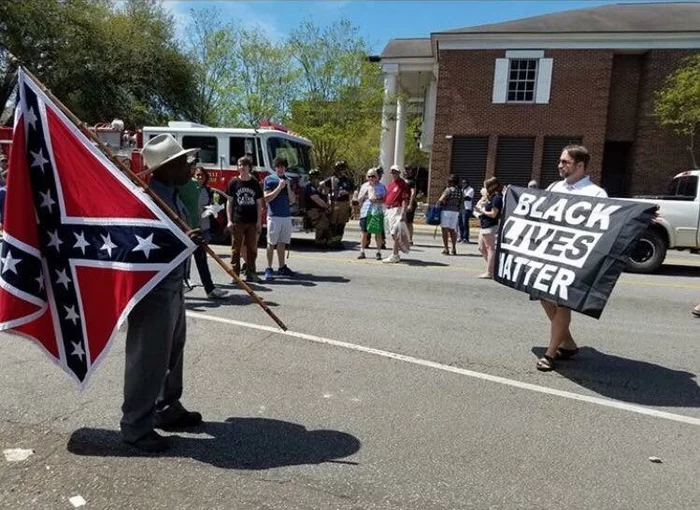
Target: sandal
x=545, y=364
x=566, y=353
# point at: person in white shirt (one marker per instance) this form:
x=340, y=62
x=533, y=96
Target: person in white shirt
x=573, y=165
x=466, y=211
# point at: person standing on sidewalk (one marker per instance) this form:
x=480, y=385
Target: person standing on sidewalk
x=451, y=201
x=371, y=198
x=395, y=205
x=278, y=196
x=465, y=212
x=412, y=201
x=244, y=214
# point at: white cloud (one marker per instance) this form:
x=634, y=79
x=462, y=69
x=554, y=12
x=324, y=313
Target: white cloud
x=253, y=15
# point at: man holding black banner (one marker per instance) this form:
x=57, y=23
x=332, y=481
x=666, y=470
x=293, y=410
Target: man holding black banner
x=567, y=246
x=573, y=164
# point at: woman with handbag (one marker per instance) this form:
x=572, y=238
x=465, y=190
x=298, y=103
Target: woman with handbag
x=450, y=200
x=489, y=210
x=371, y=198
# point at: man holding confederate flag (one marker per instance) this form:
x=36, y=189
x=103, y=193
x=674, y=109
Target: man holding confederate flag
x=155, y=338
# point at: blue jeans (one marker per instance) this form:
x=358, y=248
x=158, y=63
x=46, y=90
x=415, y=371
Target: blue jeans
x=464, y=216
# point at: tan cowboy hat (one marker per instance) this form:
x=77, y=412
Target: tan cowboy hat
x=160, y=150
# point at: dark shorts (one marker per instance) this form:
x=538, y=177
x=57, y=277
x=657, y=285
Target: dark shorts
x=363, y=224
x=410, y=214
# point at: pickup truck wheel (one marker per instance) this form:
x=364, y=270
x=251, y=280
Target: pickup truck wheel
x=648, y=254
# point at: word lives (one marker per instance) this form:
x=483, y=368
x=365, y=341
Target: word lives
x=546, y=239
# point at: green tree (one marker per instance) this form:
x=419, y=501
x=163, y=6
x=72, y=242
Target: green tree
x=242, y=76
x=264, y=78
x=102, y=59
x=677, y=104
x=340, y=95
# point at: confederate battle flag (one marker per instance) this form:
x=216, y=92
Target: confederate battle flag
x=82, y=244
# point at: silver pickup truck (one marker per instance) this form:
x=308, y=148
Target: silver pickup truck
x=676, y=226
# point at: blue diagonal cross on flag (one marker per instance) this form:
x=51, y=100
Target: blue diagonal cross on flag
x=82, y=244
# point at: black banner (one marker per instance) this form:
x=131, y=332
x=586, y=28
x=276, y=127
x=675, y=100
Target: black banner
x=568, y=249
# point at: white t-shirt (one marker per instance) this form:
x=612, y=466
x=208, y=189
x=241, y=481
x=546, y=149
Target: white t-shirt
x=582, y=187
x=468, y=192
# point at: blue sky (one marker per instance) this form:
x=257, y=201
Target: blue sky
x=379, y=21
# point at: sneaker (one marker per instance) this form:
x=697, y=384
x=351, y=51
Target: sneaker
x=285, y=271
x=445, y=252
x=485, y=276
x=151, y=442
x=378, y=256
x=251, y=277
x=361, y=256
x=267, y=276
x=217, y=294
x=454, y=251
x=393, y=259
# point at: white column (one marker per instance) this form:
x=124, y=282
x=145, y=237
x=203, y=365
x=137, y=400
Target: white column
x=388, y=136
x=400, y=146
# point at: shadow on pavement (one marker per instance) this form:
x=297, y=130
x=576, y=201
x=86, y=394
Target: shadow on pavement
x=422, y=263
x=200, y=304
x=629, y=380
x=678, y=270
x=237, y=443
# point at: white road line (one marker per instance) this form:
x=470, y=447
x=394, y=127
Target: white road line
x=461, y=371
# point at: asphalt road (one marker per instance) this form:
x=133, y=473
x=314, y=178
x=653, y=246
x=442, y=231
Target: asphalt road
x=408, y=386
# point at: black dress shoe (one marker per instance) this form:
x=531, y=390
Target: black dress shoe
x=183, y=420
x=151, y=442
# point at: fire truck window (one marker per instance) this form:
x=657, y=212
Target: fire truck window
x=207, y=148
x=239, y=147
x=292, y=151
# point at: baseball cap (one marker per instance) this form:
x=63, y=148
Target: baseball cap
x=395, y=168
x=372, y=173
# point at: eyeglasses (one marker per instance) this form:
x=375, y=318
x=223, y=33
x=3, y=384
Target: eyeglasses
x=371, y=176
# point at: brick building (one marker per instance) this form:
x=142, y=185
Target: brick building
x=503, y=99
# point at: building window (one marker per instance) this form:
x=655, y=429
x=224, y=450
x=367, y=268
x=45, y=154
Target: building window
x=522, y=80
x=522, y=77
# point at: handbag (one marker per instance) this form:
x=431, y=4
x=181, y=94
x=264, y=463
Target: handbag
x=375, y=223
x=432, y=214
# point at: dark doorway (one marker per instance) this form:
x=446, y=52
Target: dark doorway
x=468, y=160
x=616, y=160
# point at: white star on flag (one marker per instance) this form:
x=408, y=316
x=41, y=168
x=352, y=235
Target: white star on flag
x=108, y=244
x=32, y=118
x=9, y=264
x=146, y=245
x=63, y=278
x=40, y=280
x=38, y=160
x=77, y=350
x=71, y=315
x=55, y=240
x=46, y=200
x=81, y=243
x=212, y=210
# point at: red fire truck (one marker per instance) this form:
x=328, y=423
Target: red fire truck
x=219, y=151
x=220, y=148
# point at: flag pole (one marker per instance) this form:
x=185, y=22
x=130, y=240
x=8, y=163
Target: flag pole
x=142, y=184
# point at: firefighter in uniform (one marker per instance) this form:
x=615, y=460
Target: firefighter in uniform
x=317, y=209
x=341, y=188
